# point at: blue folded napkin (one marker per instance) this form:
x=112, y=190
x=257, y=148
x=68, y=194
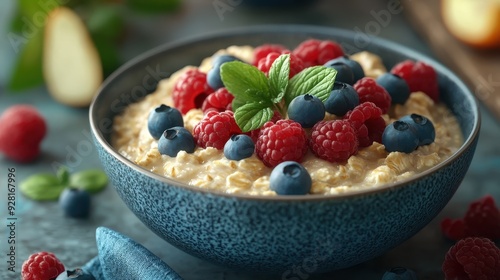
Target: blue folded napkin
x=122, y=258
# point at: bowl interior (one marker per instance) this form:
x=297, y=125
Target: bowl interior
x=139, y=77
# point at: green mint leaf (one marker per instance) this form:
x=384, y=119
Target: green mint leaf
x=278, y=77
x=252, y=116
x=42, y=186
x=27, y=70
x=63, y=176
x=92, y=180
x=237, y=103
x=316, y=80
x=245, y=81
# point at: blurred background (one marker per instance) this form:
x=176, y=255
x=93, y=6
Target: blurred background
x=122, y=29
x=462, y=34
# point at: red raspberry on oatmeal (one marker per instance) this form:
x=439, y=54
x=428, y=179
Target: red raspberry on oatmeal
x=419, y=76
x=215, y=129
x=317, y=52
x=190, y=90
x=282, y=141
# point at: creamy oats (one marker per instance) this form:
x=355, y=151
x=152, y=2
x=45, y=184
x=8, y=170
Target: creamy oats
x=209, y=169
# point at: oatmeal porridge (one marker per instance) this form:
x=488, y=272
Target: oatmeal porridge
x=208, y=168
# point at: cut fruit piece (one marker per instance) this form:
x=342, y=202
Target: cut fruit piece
x=71, y=64
x=476, y=22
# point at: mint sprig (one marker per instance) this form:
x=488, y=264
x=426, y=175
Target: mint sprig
x=256, y=96
x=316, y=80
x=278, y=77
x=246, y=82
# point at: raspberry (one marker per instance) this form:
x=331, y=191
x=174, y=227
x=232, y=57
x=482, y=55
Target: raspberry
x=453, y=229
x=316, y=52
x=254, y=134
x=334, y=140
x=41, y=266
x=369, y=91
x=366, y=118
x=419, y=76
x=215, y=129
x=190, y=90
x=375, y=128
x=262, y=51
x=284, y=140
x=22, y=128
x=472, y=258
x=265, y=63
x=218, y=101
x=482, y=219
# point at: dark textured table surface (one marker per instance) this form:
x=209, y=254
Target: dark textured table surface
x=42, y=226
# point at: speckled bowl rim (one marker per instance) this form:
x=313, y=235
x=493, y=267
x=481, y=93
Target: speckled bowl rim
x=303, y=29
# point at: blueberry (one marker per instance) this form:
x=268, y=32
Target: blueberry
x=213, y=76
x=400, y=273
x=344, y=72
x=161, y=118
x=307, y=110
x=238, y=147
x=75, y=202
x=290, y=178
x=396, y=86
x=356, y=68
x=342, y=99
x=399, y=136
x=77, y=274
x=176, y=139
x=423, y=126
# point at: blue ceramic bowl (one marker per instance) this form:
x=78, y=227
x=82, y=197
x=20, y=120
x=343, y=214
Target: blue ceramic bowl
x=276, y=234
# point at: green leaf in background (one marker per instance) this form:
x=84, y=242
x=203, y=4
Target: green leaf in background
x=252, y=116
x=153, y=6
x=108, y=53
x=27, y=71
x=28, y=8
x=27, y=30
x=92, y=180
x=16, y=25
x=105, y=22
x=42, y=186
x=278, y=77
x=316, y=80
x=106, y=25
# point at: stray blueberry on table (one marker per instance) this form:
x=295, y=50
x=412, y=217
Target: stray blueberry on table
x=424, y=127
x=356, y=68
x=342, y=99
x=290, y=178
x=174, y=140
x=162, y=118
x=238, y=147
x=307, y=110
x=77, y=274
x=344, y=72
x=399, y=136
x=396, y=86
x=75, y=202
x=213, y=76
x=400, y=273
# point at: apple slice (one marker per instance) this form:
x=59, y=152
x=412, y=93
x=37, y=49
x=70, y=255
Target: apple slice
x=475, y=22
x=71, y=64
